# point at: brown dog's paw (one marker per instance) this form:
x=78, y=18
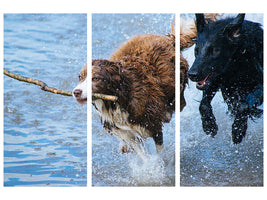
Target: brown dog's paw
x=124, y=149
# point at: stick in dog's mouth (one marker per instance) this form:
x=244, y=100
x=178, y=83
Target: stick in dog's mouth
x=103, y=97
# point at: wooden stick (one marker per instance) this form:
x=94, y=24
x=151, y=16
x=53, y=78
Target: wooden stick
x=37, y=82
x=104, y=97
x=54, y=90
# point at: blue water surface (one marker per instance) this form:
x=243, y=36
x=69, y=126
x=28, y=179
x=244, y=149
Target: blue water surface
x=45, y=142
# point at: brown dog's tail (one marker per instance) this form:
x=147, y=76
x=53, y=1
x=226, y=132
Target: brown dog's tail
x=188, y=31
x=172, y=31
x=212, y=17
x=171, y=34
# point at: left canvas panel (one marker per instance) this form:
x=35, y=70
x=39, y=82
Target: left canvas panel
x=45, y=140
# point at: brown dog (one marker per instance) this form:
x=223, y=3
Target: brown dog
x=141, y=73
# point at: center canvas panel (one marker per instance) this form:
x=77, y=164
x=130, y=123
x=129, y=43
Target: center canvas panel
x=133, y=86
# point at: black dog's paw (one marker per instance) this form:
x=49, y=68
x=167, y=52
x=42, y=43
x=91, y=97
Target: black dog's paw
x=239, y=129
x=237, y=136
x=255, y=113
x=209, y=126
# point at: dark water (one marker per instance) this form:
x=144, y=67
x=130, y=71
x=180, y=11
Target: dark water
x=109, y=166
x=207, y=161
x=45, y=140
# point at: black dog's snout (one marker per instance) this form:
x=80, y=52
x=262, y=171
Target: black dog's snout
x=77, y=92
x=193, y=75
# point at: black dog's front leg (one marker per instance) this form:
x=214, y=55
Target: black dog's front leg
x=208, y=120
x=239, y=126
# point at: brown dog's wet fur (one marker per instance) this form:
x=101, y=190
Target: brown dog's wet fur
x=141, y=73
x=149, y=63
x=188, y=33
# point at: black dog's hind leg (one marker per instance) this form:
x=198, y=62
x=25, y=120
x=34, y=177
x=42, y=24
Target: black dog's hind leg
x=208, y=120
x=239, y=126
x=245, y=108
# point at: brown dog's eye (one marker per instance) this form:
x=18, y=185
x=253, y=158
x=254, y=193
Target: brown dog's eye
x=94, y=79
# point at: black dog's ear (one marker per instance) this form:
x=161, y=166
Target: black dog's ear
x=200, y=21
x=232, y=30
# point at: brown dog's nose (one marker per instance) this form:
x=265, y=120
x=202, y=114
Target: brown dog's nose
x=77, y=92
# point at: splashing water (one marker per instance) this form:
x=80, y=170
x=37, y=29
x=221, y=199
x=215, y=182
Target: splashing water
x=154, y=172
x=110, y=167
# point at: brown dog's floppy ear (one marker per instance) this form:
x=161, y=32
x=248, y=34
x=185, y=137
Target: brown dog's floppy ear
x=232, y=30
x=200, y=21
x=103, y=63
x=100, y=62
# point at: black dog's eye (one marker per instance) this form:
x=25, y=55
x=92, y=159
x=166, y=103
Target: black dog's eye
x=215, y=51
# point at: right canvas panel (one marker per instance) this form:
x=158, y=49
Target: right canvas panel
x=221, y=96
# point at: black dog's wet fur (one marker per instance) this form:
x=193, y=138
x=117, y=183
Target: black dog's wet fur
x=229, y=56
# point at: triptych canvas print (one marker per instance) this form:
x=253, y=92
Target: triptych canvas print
x=143, y=128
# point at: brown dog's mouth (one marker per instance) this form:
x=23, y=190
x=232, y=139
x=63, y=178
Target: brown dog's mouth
x=201, y=85
x=81, y=100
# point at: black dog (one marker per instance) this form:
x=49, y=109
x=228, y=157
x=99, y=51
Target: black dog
x=229, y=56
